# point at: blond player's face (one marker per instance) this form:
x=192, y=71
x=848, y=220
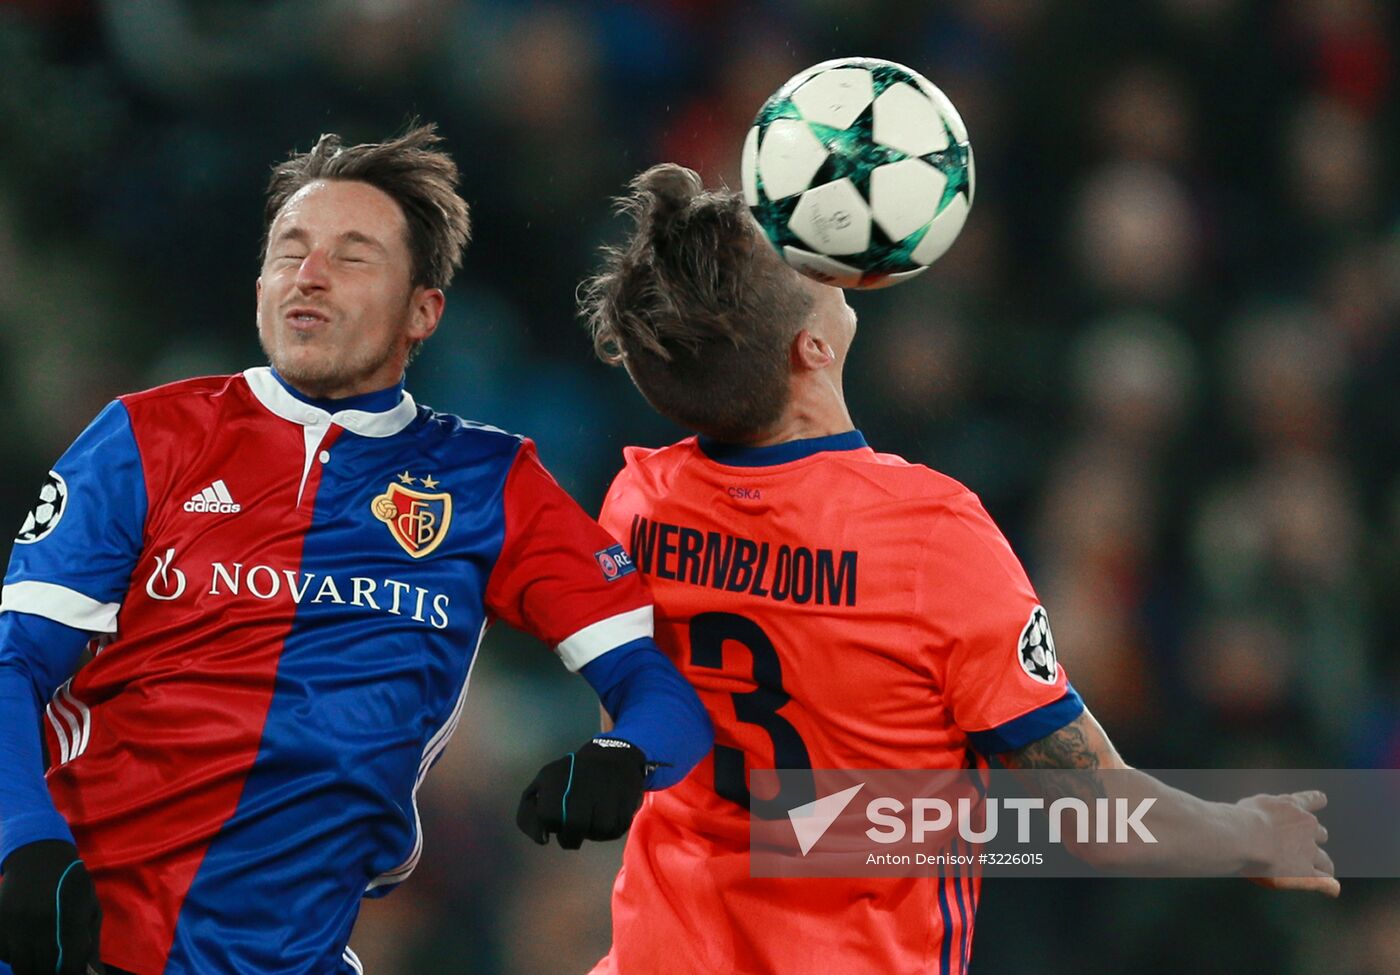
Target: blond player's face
x=337, y=311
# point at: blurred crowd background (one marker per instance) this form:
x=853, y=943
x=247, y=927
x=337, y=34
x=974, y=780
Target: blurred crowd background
x=1165, y=352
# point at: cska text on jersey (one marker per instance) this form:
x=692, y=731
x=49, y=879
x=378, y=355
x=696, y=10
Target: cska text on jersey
x=728, y=562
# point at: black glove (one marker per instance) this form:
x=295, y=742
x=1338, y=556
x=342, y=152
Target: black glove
x=590, y=794
x=49, y=917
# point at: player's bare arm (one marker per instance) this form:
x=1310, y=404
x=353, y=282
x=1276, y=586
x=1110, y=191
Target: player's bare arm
x=1081, y=744
x=1255, y=836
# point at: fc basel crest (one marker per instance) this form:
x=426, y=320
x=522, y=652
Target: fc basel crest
x=418, y=521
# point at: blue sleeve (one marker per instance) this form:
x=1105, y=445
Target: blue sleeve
x=653, y=708
x=1032, y=726
x=36, y=656
x=77, y=547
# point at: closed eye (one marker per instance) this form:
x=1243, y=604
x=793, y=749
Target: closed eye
x=359, y=256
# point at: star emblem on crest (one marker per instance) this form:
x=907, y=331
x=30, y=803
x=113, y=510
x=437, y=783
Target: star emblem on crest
x=406, y=478
x=429, y=482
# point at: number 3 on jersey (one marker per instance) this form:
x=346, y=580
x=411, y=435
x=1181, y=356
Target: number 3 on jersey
x=708, y=634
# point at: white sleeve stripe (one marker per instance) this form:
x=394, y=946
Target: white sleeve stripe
x=84, y=716
x=75, y=728
x=597, y=639
x=60, y=604
x=59, y=733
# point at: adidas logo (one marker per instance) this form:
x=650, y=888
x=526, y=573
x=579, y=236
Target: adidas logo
x=215, y=498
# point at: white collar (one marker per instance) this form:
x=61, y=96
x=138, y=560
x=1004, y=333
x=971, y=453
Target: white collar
x=270, y=393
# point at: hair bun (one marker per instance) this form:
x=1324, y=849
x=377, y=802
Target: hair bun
x=670, y=187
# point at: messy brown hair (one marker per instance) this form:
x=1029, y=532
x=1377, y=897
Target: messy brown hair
x=697, y=307
x=413, y=171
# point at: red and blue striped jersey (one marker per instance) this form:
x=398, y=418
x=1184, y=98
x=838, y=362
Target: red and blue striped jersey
x=290, y=602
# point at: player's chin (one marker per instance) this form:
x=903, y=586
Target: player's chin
x=304, y=363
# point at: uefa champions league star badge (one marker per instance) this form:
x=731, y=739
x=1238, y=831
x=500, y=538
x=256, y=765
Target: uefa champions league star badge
x=1036, y=648
x=44, y=516
x=418, y=521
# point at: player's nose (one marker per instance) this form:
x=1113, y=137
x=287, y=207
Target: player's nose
x=314, y=272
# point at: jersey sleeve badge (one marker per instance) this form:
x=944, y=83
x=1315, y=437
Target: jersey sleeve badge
x=1036, y=648
x=615, y=562
x=44, y=517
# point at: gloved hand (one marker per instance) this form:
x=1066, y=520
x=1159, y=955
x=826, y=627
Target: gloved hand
x=590, y=794
x=49, y=916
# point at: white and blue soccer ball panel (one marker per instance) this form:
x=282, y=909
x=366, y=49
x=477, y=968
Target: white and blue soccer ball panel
x=861, y=161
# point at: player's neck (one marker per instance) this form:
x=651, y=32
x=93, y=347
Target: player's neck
x=817, y=409
x=375, y=400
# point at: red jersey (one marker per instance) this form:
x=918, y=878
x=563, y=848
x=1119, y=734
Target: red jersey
x=834, y=608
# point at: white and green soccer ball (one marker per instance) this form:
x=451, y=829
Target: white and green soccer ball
x=859, y=172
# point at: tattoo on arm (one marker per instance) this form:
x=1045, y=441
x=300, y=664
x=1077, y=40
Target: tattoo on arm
x=1067, y=748
x=1064, y=751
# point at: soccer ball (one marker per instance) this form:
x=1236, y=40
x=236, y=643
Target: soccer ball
x=385, y=509
x=859, y=172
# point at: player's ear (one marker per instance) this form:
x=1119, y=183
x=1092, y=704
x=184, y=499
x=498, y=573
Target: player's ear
x=426, y=312
x=257, y=303
x=812, y=352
